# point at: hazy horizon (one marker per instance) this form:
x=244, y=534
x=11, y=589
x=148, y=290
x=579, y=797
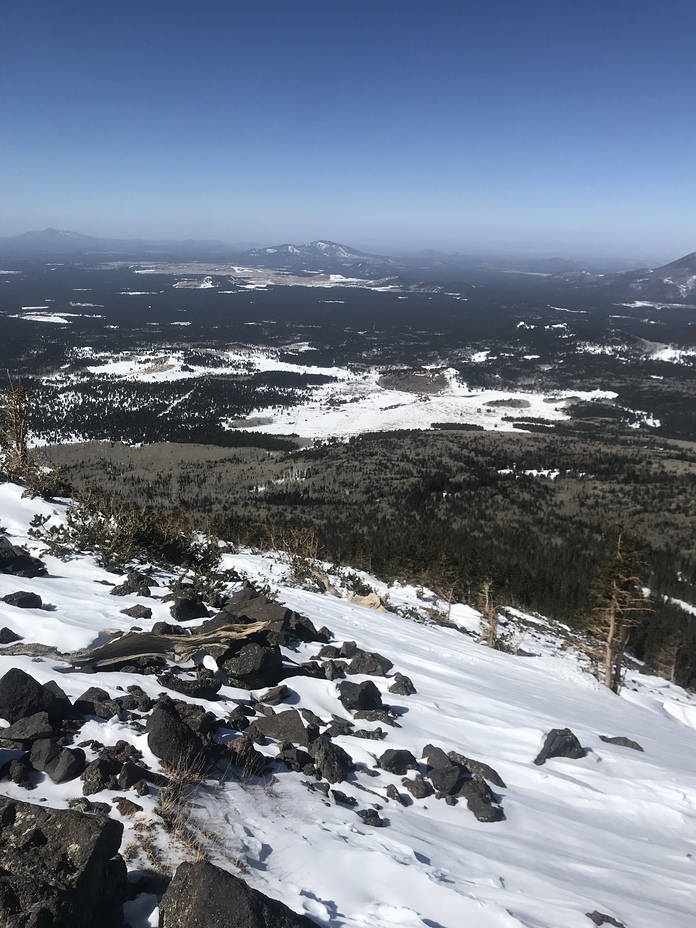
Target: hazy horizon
x=545, y=128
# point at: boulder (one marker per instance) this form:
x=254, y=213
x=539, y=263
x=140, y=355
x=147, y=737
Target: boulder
x=560, y=742
x=371, y=817
x=446, y=780
x=30, y=728
x=333, y=762
x=359, y=696
x=171, y=739
x=137, y=612
x=7, y=636
x=418, y=787
x=398, y=762
x=622, y=742
x=402, y=685
x=477, y=768
x=334, y=670
x=96, y=701
x=286, y=726
x=60, y=764
x=371, y=663
x=187, y=605
x=17, y=561
x=245, y=757
x=284, y=624
x=23, y=600
x=480, y=800
x=59, y=868
x=253, y=666
x=21, y=695
x=204, y=685
x=101, y=774
x=599, y=919
x=201, y=895
x=135, y=583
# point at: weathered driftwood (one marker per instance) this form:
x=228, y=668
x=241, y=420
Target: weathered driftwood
x=134, y=645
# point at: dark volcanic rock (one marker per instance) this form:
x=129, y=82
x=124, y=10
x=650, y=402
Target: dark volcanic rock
x=17, y=561
x=435, y=758
x=621, y=741
x=23, y=600
x=284, y=624
x=477, y=768
x=96, y=701
x=334, y=670
x=138, y=612
x=418, y=787
x=171, y=739
x=371, y=663
x=294, y=758
x=276, y=695
x=188, y=605
x=30, y=728
x=286, y=726
x=60, y=764
x=371, y=817
x=21, y=695
x=446, y=779
x=59, y=868
x=560, y=742
x=356, y=696
x=397, y=761
x=332, y=761
x=101, y=774
x=402, y=685
x=201, y=895
x=254, y=666
x=7, y=636
x=204, y=686
x=166, y=628
x=134, y=583
x=599, y=919
x=480, y=799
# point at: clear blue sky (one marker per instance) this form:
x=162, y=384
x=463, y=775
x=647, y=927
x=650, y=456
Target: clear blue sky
x=539, y=125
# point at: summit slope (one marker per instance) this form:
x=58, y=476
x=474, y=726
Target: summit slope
x=611, y=832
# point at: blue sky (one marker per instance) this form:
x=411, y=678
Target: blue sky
x=530, y=125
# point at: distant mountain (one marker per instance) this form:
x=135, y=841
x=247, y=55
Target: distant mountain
x=55, y=243
x=670, y=283
x=321, y=256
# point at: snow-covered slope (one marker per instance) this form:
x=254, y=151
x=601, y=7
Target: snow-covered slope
x=611, y=832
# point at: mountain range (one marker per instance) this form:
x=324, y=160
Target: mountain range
x=673, y=282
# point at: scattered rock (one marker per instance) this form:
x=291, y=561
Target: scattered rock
x=171, y=739
x=17, y=561
x=101, y=774
x=286, y=726
x=166, y=628
x=59, y=763
x=276, y=695
x=377, y=715
x=478, y=769
x=284, y=624
x=393, y=793
x=341, y=799
x=201, y=895
x=82, y=804
x=446, y=779
x=622, y=742
x=30, y=728
x=7, y=636
x=135, y=582
x=23, y=600
x=357, y=696
x=560, y=742
x=331, y=760
x=96, y=701
x=402, y=685
x=371, y=817
x=137, y=612
x=599, y=918
x=435, y=758
x=334, y=670
x=253, y=666
x=398, y=762
x=480, y=799
x=204, y=685
x=21, y=695
x=371, y=663
x=187, y=605
x=60, y=868
x=126, y=807
x=294, y=758
x=19, y=770
x=370, y=734
x=418, y=787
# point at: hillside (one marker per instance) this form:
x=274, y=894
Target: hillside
x=609, y=833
